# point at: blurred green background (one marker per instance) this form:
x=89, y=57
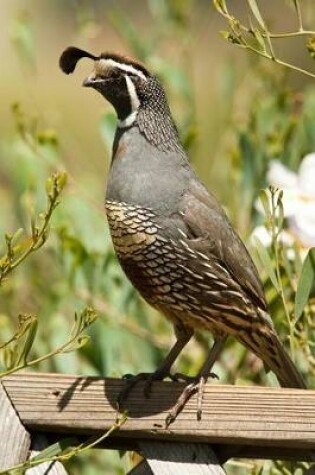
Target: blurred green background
x=235, y=113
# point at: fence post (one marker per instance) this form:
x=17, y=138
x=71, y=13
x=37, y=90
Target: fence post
x=166, y=458
x=15, y=441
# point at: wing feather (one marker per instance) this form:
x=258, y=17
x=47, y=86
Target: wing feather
x=208, y=223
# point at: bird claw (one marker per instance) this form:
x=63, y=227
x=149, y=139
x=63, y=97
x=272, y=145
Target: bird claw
x=196, y=385
x=181, y=402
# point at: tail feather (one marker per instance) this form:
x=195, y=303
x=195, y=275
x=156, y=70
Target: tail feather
x=266, y=344
x=284, y=368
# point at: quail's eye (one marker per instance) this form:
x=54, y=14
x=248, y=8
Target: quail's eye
x=115, y=74
x=134, y=77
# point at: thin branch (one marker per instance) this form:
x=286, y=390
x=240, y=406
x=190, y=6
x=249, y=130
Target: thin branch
x=39, y=235
x=299, y=14
x=280, y=35
x=263, y=36
x=76, y=339
x=68, y=453
x=279, y=61
x=291, y=34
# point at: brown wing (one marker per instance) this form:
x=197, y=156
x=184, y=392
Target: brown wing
x=206, y=220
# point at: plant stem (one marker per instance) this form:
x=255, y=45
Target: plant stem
x=27, y=364
x=36, y=242
x=237, y=28
x=275, y=244
x=299, y=14
x=291, y=34
x=68, y=455
x=278, y=61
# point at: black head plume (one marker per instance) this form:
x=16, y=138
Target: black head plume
x=137, y=95
x=69, y=58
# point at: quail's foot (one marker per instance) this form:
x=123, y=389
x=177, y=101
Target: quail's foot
x=196, y=385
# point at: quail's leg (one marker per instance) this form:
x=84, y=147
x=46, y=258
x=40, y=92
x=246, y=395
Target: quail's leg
x=197, y=385
x=183, y=336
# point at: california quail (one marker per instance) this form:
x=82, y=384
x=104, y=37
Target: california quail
x=171, y=236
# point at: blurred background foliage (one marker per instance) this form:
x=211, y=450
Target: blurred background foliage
x=235, y=112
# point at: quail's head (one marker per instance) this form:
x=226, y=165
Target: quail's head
x=122, y=81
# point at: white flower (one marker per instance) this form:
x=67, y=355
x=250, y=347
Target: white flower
x=298, y=197
x=264, y=236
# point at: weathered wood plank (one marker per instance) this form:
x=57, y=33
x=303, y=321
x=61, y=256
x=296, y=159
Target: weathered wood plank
x=181, y=459
x=241, y=415
x=15, y=441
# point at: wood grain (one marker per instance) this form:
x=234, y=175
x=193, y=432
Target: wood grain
x=15, y=441
x=256, y=417
x=181, y=459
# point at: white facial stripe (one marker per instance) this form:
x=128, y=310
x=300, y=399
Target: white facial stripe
x=128, y=121
x=127, y=68
x=134, y=102
x=134, y=99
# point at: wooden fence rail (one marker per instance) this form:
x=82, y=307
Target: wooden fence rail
x=236, y=421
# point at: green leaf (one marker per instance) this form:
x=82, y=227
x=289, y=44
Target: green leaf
x=77, y=344
x=287, y=263
x=30, y=337
x=260, y=39
x=220, y=6
x=62, y=179
x=305, y=284
x=225, y=34
x=296, y=6
x=266, y=262
x=55, y=449
x=255, y=10
x=264, y=197
x=16, y=236
x=310, y=45
x=280, y=212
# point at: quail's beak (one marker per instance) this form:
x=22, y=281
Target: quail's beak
x=89, y=81
x=92, y=81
